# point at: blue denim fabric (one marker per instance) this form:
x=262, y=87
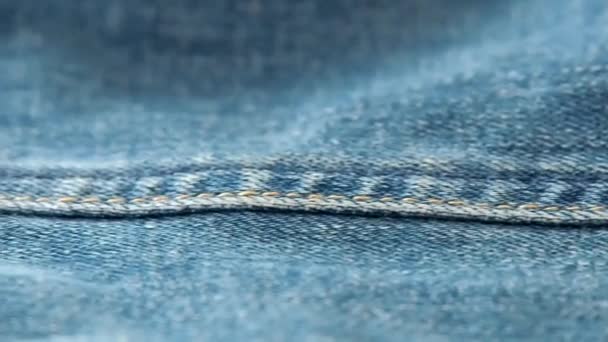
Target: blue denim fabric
x=311, y=170
x=248, y=276
x=465, y=109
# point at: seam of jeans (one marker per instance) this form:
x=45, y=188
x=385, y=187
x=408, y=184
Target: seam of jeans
x=310, y=196
x=272, y=199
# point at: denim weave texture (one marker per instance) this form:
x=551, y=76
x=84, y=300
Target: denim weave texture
x=303, y=170
x=252, y=276
x=498, y=108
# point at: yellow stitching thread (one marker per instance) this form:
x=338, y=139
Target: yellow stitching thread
x=456, y=203
x=247, y=193
x=160, y=198
x=67, y=199
x=529, y=206
x=355, y=198
x=503, y=206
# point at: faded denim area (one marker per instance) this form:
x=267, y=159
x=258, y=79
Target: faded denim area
x=276, y=170
x=284, y=277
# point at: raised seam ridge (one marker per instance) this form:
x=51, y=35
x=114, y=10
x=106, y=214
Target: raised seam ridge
x=251, y=199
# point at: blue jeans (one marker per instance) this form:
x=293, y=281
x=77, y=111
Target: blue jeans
x=309, y=171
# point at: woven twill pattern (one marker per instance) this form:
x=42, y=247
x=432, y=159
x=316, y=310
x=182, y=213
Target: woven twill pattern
x=288, y=276
x=313, y=170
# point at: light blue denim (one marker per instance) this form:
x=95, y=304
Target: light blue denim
x=426, y=170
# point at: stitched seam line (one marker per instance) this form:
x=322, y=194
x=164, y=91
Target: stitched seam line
x=310, y=196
